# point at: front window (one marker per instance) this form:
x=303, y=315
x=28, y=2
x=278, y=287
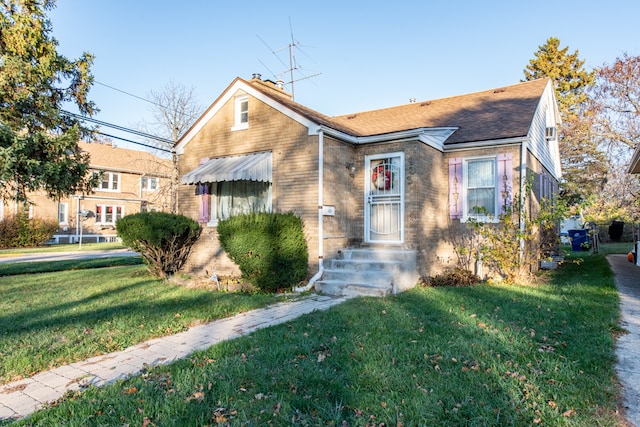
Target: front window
x=110, y=181
x=480, y=186
x=231, y=198
x=108, y=214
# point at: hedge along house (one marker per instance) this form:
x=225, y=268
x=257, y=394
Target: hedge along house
x=379, y=191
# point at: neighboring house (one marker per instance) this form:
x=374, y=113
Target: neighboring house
x=131, y=181
x=372, y=184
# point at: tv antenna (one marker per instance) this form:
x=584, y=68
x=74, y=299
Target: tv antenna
x=293, y=65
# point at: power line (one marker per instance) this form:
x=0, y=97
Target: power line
x=118, y=127
x=134, y=142
x=164, y=107
x=131, y=94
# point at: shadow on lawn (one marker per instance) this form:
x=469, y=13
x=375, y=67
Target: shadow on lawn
x=456, y=356
x=484, y=355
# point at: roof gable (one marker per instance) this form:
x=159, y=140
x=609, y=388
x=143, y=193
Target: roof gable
x=259, y=92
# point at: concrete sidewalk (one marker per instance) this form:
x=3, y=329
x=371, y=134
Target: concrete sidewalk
x=627, y=278
x=20, y=398
x=62, y=256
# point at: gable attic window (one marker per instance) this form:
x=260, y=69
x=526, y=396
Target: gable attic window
x=550, y=133
x=241, y=113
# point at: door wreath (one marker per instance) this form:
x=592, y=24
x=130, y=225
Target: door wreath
x=381, y=178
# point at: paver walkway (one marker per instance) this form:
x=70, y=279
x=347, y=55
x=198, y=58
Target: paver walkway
x=627, y=278
x=20, y=398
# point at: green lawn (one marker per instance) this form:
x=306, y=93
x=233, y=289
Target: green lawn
x=484, y=355
x=17, y=268
x=50, y=319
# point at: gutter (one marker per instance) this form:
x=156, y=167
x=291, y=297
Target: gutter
x=318, y=274
x=523, y=184
x=430, y=136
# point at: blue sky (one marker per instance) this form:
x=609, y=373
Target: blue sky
x=368, y=54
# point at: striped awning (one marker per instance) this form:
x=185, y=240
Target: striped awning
x=249, y=167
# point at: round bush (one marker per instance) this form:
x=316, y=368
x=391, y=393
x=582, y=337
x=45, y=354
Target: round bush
x=269, y=248
x=164, y=240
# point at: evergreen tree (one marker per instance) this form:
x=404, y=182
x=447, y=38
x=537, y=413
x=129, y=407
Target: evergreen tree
x=567, y=72
x=38, y=142
x=584, y=165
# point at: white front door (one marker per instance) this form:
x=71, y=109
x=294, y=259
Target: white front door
x=384, y=198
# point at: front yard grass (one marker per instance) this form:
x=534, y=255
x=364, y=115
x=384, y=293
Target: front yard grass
x=51, y=319
x=488, y=355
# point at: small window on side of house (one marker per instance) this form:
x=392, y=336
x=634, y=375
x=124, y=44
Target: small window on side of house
x=149, y=183
x=550, y=133
x=63, y=213
x=241, y=120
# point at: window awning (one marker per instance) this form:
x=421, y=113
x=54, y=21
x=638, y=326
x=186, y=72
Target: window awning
x=250, y=167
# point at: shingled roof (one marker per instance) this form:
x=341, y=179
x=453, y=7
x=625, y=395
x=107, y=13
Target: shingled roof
x=494, y=114
x=109, y=157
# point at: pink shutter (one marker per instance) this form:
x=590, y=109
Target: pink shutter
x=505, y=181
x=203, y=191
x=203, y=198
x=455, y=188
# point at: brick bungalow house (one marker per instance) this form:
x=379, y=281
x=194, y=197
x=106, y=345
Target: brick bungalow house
x=376, y=185
x=132, y=181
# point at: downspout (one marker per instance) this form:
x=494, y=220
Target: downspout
x=316, y=276
x=523, y=197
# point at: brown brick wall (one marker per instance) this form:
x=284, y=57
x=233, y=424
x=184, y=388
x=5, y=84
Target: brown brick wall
x=295, y=186
x=295, y=173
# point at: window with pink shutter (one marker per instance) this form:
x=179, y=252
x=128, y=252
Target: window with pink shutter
x=480, y=187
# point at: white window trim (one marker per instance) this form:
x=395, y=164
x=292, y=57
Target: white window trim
x=111, y=176
x=238, y=123
x=465, y=186
x=550, y=133
x=148, y=179
x=65, y=220
x=99, y=221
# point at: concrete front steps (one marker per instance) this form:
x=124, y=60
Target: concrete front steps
x=368, y=272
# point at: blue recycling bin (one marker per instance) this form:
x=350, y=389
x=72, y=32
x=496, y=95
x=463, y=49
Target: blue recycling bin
x=579, y=240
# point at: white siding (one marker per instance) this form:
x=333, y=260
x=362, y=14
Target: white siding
x=546, y=115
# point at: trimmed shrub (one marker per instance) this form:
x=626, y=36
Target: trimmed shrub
x=20, y=231
x=269, y=248
x=164, y=240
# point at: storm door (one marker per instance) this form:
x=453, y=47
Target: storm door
x=384, y=198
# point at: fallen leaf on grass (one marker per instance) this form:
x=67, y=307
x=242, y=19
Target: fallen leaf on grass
x=568, y=413
x=198, y=396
